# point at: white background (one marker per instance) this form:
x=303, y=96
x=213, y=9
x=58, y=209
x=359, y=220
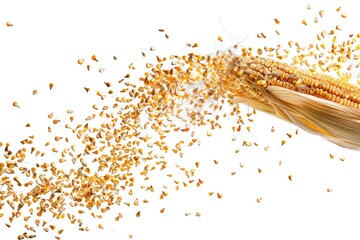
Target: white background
x=47, y=39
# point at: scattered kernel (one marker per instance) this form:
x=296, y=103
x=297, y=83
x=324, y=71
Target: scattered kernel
x=94, y=58
x=15, y=104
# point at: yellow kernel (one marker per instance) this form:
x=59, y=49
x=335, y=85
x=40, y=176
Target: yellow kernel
x=15, y=104
x=94, y=58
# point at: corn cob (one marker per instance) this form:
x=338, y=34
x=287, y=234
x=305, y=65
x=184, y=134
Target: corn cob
x=317, y=103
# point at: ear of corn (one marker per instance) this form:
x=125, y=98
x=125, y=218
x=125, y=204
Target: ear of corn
x=315, y=102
